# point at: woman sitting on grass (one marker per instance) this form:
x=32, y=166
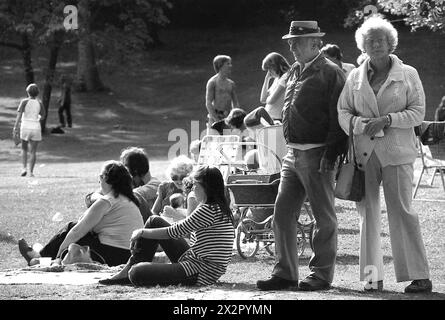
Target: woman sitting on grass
x=179, y=168
x=201, y=263
x=105, y=227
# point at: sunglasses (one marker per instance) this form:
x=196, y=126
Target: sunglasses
x=177, y=178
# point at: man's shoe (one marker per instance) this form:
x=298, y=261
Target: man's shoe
x=374, y=286
x=276, y=283
x=312, y=283
x=420, y=286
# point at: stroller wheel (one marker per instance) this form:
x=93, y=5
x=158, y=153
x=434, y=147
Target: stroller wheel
x=301, y=240
x=247, y=244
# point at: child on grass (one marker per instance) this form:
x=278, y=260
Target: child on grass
x=220, y=90
x=29, y=113
x=175, y=211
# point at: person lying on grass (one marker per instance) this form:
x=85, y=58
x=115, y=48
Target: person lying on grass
x=105, y=227
x=202, y=262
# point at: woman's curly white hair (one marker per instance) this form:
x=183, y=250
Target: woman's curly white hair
x=181, y=166
x=377, y=23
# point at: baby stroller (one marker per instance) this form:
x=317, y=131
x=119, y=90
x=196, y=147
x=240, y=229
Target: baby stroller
x=259, y=193
x=256, y=191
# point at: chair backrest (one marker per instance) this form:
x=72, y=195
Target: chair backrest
x=432, y=155
x=432, y=142
x=438, y=150
x=271, y=148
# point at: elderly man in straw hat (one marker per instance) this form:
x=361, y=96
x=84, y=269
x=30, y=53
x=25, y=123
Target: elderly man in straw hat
x=314, y=140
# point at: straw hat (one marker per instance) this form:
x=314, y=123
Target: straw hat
x=303, y=29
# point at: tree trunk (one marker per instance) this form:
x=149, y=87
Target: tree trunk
x=26, y=49
x=49, y=77
x=87, y=73
x=27, y=59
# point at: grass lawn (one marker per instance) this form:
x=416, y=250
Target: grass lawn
x=161, y=96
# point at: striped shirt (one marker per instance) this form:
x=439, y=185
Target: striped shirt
x=211, y=243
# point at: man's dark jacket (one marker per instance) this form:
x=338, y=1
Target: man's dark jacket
x=310, y=107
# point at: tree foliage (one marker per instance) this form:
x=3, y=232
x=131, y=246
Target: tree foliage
x=25, y=24
x=418, y=13
x=415, y=13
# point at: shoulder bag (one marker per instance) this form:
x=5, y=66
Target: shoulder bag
x=350, y=183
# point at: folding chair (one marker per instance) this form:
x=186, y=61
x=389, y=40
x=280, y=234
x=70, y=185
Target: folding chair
x=433, y=157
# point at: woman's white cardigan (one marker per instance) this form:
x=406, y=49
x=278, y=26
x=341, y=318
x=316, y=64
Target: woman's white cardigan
x=401, y=96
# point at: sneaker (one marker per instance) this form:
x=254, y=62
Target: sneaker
x=32, y=175
x=23, y=173
x=420, y=286
x=374, y=286
x=312, y=283
x=276, y=283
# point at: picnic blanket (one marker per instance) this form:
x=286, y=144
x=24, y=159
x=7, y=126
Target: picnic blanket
x=72, y=274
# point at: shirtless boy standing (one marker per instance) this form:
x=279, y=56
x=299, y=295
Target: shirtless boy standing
x=220, y=90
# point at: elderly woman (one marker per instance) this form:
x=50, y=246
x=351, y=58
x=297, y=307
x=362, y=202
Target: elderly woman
x=106, y=226
x=178, y=169
x=385, y=99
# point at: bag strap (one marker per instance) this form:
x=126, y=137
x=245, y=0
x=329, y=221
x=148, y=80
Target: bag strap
x=351, y=142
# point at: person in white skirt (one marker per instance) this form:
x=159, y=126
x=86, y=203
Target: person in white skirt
x=29, y=113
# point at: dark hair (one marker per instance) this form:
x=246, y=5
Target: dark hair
x=136, y=160
x=212, y=181
x=332, y=50
x=116, y=175
x=236, y=118
x=219, y=61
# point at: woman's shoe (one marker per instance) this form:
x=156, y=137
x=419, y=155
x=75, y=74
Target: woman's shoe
x=111, y=281
x=25, y=250
x=374, y=286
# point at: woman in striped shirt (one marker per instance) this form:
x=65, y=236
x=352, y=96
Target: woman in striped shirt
x=202, y=262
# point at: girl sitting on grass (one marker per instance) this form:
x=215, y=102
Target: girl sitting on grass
x=202, y=262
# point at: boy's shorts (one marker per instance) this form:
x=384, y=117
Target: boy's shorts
x=30, y=134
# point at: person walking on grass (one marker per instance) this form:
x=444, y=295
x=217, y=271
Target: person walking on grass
x=29, y=113
x=220, y=90
x=314, y=140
